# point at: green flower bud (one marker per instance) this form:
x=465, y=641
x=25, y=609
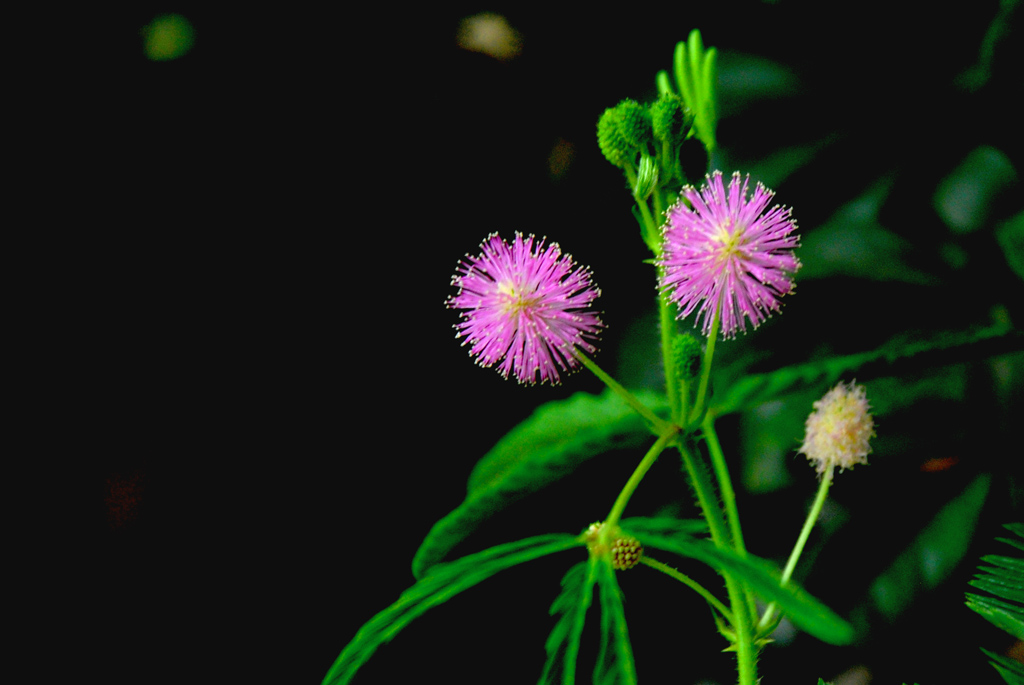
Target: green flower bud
x=670, y=119
x=647, y=177
x=636, y=123
x=623, y=132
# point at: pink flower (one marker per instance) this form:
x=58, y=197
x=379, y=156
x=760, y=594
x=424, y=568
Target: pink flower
x=727, y=254
x=525, y=307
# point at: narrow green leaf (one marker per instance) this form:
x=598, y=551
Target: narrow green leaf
x=664, y=525
x=1004, y=615
x=442, y=583
x=1001, y=583
x=615, y=665
x=709, y=80
x=763, y=578
x=892, y=358
x=821, y=682
x=1003, y=578
x=1012, y=671
x=686, y=89
x=549, y=445
x=1009, y=566
x=663, y=83
x=933, y=554
x=1014, y=543
x=563, y=644
x=694, y=64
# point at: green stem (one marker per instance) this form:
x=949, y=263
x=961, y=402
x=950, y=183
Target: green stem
x=638, y=475
x=705, y=367
x=805, y=532
x=660, y=425
x=690, y=583
x=651, y=234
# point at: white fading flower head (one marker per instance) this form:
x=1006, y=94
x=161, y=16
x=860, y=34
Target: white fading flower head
x=839, y=429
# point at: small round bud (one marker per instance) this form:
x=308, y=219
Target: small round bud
x=670, y=119
x=623, y=132
x=636, y=123
x=839, y=429
x=626, y=553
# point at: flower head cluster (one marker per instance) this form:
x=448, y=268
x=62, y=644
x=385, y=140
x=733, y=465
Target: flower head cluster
x=525, y=307
x=724, y=254
x=839, y=429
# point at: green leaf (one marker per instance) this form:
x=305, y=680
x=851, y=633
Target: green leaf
x=442, y=583
x=615, y=665
x=696, y=75
x=1002, y=577
x=682, y=73
x=762, y=577
x=933, y=554
x=1006, y=582
x=563, y=644
x=549, y=445
x=664, y=525
x=1004, y=615
x=893, y=358
x=1012, y=671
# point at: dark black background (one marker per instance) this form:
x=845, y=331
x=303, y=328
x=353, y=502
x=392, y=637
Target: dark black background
x=248, y=299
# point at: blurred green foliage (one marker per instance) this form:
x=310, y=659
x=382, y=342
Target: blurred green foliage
x=167, y=37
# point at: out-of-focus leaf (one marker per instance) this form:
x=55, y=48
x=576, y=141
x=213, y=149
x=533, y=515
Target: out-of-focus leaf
x=563, y=644
x=549, y=445
x=746, y=81
x=853, y=243
x=964, y=198
x=892, y=358
x=763, y=578
x=615, y=665
x=1011, y=239
x=168, y=37
x=442, y=583
x=933, y=555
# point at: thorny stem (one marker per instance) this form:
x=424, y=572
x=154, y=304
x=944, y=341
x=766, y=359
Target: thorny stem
x=746, y=652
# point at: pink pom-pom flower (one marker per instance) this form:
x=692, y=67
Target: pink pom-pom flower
x=526, y=308
x=723, y=252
